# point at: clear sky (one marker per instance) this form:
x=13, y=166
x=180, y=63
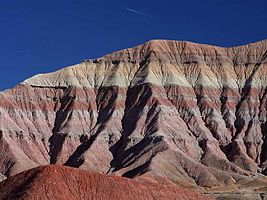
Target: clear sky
x=38, y=36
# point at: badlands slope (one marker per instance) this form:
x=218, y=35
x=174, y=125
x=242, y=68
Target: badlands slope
x=61, y=183
x=189, y=113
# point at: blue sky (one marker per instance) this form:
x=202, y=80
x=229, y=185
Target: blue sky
x=46, y=35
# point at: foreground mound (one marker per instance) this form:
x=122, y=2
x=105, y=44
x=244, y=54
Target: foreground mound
x=57, y=182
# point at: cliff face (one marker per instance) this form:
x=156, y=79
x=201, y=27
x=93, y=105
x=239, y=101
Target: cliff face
x=61, y=183
x=190, y=113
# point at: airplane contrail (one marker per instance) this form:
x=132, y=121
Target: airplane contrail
x=139, y=13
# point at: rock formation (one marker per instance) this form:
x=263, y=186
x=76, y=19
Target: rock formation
x=190, y=113
x=61, y=183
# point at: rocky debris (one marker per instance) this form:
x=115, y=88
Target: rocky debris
x=241, y=196
x=190, y=113
x=61, y=183
x=2, y=177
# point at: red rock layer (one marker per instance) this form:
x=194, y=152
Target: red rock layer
x=61, y=183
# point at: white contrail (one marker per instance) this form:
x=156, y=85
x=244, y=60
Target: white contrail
x=139, y=13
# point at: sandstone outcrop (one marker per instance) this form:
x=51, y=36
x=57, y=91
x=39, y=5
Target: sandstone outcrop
x=61, y=183
x=190, y=113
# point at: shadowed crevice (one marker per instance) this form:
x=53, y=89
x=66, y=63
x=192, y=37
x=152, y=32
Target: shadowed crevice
x=63, y=116
x=106, y=109
x=138, y=171
x=137, y=98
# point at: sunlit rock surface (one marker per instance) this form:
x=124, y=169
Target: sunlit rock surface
x=190, y=113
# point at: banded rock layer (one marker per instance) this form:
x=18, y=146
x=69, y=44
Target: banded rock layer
x=190, y=113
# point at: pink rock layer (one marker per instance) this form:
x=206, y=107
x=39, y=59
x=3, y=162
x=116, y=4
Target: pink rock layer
x=189, y=113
